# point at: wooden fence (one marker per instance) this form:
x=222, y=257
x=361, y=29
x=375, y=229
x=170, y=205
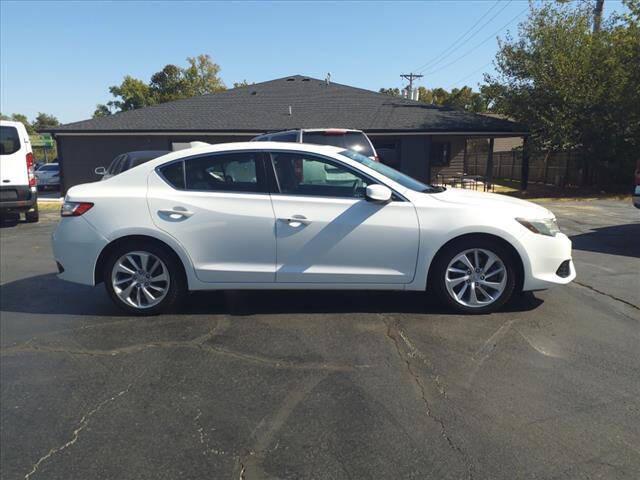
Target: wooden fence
x=556, y=168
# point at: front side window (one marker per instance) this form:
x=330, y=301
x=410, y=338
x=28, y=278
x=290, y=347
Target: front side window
x=405, y=180
x=307, y=174
x=9, y=140
x=232, y=172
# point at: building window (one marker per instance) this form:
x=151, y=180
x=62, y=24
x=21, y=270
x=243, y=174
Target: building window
x=440, y=154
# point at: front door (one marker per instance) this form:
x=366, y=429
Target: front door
x=327, y=232
x=218, y=208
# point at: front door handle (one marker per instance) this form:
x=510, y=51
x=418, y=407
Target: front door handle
x=296, y=221
x=176, y=212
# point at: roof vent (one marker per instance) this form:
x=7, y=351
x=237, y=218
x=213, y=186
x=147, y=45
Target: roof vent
x=290, y=110
x=291, y=79
x=306, y=79
x=254, y=93
x=327, y=80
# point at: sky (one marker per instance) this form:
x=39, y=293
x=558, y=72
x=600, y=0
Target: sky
x=61, y=57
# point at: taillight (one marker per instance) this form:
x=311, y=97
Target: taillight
x=75, y=209
x=30, y=172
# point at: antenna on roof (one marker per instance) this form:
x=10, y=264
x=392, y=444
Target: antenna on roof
x=327, y=79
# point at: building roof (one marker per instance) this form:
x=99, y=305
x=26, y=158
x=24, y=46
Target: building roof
x=264, y=107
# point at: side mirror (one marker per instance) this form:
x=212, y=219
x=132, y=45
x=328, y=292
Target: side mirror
x=378, y=194
x=100, y=171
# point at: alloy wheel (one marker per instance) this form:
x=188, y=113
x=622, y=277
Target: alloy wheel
x=476, y=278
x=140, y=279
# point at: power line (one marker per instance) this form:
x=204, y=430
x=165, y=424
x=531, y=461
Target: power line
x=460, y=41
x=442, y=67
x=474, y=72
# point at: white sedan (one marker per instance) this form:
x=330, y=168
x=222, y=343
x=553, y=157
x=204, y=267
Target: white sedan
x=294, y=216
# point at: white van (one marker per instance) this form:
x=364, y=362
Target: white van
x=18, y=192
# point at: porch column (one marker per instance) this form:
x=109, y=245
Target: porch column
x=488, y=182
x=524, y=174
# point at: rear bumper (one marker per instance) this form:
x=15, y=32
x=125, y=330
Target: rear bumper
x=550, y=262
x=76, y=247
x=636, y=197
x=17, y=198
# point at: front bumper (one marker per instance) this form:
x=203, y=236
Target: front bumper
x=550, y=261
x=76, y=247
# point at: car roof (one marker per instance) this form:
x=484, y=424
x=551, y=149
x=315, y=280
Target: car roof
x=11, y=123
x=139, y=154
x=239, y=146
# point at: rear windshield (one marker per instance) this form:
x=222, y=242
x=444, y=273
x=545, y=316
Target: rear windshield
x=355, y=141
x=9, y=140
x=48, y=168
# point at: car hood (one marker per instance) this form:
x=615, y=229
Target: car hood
x=492, y=202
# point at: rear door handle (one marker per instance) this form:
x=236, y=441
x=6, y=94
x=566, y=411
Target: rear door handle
x=176, y=212
x=296, y=221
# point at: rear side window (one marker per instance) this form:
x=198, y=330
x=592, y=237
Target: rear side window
x=355, y=141
x=174, y=174
x=49, y=168
x=9, y=140
x=233, y=172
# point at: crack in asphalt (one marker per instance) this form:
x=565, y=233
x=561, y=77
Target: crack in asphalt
x=613, y=297
x=198, y=343
x=394, y=332
x=84, y=421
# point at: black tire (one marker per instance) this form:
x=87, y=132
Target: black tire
x=32, y=216
x=437, y=281
x=177, y=281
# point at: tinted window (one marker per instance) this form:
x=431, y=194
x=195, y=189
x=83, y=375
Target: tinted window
x=9, y=140
x=174, y=174
x=302, y=174
x=285, y=137
x=234, y=172
x=355, y=141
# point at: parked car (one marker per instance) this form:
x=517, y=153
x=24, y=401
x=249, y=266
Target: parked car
x=355, y=140
x=127, y=161
x=295, y=216
x=48, y=175
x=636, y=191
x=18, y=192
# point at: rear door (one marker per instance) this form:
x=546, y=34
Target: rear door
x=14, y=146
x=217, y=206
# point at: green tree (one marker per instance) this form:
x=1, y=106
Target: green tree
x=394, y=92
x=131, y=94
x=573, y=86
x=101, y=110
x=169, y=84
x=202, y=76
x=243, y=83
x=43, y=121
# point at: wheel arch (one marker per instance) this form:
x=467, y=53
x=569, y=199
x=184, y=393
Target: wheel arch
x=515, y=254
x=98, y=272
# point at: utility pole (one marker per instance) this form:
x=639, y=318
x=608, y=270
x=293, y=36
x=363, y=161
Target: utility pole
x=411, y=77
x=597, y=15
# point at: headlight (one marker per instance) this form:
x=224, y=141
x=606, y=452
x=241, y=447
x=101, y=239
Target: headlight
x=544, y=226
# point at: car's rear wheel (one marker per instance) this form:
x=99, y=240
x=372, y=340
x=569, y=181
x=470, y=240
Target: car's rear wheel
x=475, y=275
x=144, y=279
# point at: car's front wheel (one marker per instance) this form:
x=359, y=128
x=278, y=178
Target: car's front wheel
x=475, y=275
x=144, y=279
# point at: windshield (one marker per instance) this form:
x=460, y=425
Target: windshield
x=398, y=177
x=355, y=141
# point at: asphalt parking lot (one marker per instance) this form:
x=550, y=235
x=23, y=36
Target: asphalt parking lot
x=325, y=385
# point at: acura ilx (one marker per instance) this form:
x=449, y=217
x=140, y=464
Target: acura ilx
x=269, y=215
